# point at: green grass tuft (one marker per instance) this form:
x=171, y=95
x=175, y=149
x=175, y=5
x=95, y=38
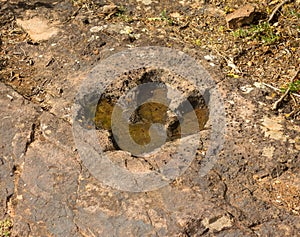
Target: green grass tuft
x=5, y=227
x=263, y=32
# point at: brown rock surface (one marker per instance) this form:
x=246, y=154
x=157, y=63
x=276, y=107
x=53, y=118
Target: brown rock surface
x=45, y=188
x=38, y=28
x=242, y=16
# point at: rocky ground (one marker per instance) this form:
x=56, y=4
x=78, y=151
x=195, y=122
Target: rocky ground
x=47, y=50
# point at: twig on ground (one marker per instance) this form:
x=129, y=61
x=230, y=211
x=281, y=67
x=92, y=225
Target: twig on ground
x=276, y=89
x=74, y=14
x=228, y=60
x=272, y=87
x=296, y=75
x=294, y=99
x=276, y=104
x=276, y=9
x=52, y=60
x=294, y=113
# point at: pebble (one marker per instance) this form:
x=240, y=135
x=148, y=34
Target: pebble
x=96, y=29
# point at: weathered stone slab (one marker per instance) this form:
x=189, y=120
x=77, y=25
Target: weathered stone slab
x=47, y=188
x=18, y=120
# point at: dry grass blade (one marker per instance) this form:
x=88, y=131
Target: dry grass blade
x=277, y=9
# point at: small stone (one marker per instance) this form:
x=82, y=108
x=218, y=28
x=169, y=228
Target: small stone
x=260, y=175
x=273, y=128
x=38, y=28
x=126, y=30
x=246, y=89
x=209, y=57
x=259, y=85
x=268, y=152
x=146, y=2
x=10, y=97
x=217, y=224
x=176, y=15
x=96, y=51
x=108, y=9
x=19, y=197
x=96, y=29
x=242, y=16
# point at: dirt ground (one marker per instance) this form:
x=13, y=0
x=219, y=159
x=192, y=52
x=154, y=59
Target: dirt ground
x=47, y=50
